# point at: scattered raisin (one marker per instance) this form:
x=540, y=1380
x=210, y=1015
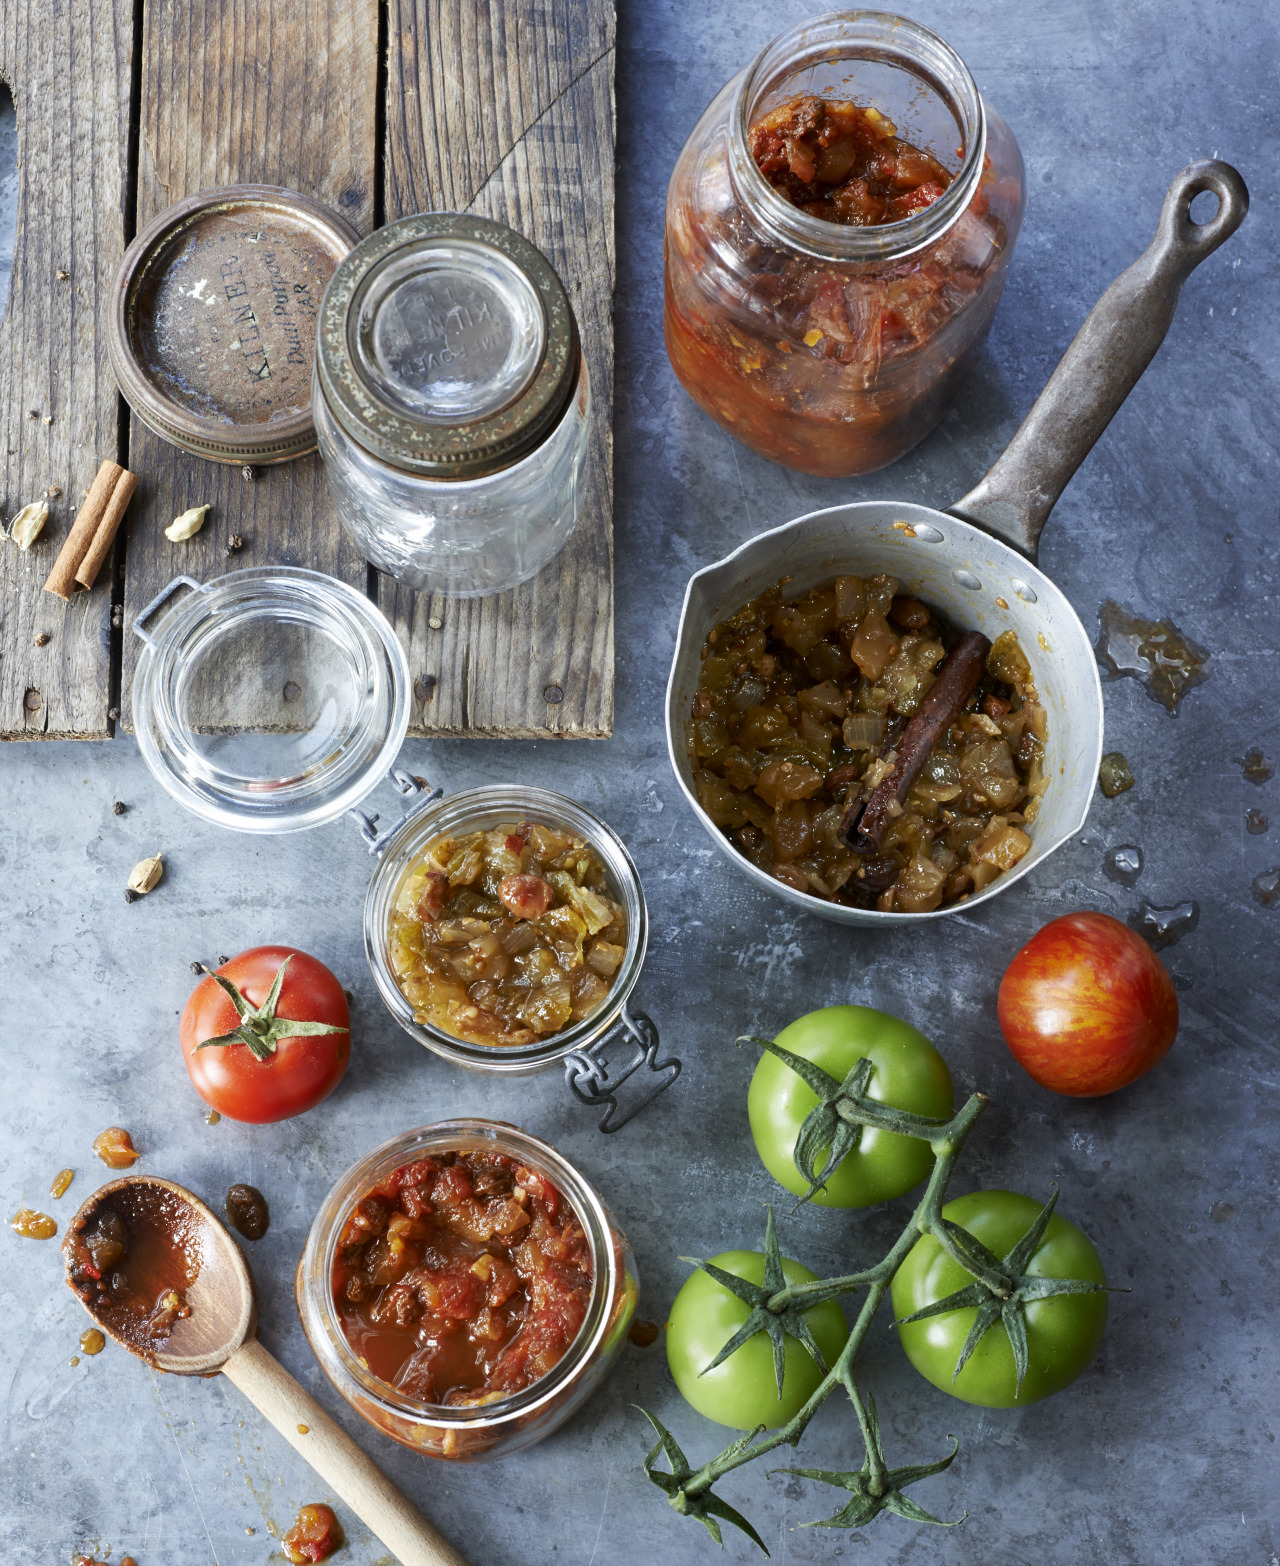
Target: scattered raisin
x=248, y=1211
x=115, y=1148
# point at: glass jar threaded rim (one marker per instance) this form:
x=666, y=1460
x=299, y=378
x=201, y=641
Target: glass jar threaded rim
x=867, y=35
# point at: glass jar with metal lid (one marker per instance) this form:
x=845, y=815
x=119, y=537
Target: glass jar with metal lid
x=451, y=403
x=275, y=699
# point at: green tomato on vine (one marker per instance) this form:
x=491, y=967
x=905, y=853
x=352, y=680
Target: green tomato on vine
x=1061, y=1330
x=907, y=1073
x=742, y=1390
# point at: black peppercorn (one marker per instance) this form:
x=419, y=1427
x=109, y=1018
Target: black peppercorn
x=119, y=808
x=130, y=896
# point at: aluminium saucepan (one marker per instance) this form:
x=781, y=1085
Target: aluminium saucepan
x=977, y=560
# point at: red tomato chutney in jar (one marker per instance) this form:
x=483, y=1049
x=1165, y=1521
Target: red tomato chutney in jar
x=843, y=163
x=834, y=255
x=462, y=1278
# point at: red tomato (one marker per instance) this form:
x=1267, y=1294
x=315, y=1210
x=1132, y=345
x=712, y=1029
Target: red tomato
x=1086, y=1006
x=301, y=1044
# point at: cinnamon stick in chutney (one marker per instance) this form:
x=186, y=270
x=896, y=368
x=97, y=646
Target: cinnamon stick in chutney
x=958, y=674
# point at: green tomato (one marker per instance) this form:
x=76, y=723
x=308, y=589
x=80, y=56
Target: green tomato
x=743, y=1391
x=1063, y=1331
x=908, y=1073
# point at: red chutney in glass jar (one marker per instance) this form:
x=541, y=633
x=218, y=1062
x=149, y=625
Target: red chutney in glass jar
x=844, y=164
x=828, y=275
x=462, y=1278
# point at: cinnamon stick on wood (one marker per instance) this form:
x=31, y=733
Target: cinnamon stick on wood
x=100, y=546
x=958, y=674
x=93, y=531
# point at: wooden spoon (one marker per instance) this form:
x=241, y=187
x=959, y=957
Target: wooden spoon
x=174, y=1238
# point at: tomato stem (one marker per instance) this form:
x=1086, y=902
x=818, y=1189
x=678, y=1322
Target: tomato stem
x=875, y=1487
x=260, y=1028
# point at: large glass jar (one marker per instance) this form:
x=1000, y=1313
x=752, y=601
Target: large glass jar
x=510, y=1424
x=828, y=348
x=451, y=403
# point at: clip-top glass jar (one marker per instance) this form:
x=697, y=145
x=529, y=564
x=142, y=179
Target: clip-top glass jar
x=503, y=1425
x=451, y=403
x=827, y=347
x=275, y=699
x=600, y=1050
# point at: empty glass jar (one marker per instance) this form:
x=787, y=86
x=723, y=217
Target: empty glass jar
x=451, y=403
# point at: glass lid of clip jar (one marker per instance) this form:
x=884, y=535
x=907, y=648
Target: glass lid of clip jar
x=270, y=699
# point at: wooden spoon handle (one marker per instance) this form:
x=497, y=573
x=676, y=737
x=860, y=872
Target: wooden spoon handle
x=337, y=1459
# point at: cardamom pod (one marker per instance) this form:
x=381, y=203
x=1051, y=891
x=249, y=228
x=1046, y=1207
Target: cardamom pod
x=187, y=525
x=145, y=874
x=25, y=527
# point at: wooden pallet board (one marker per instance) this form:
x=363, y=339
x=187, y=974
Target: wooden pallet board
x=273, y=92
x=72, y=196
x=501, y=108
x=507, y=110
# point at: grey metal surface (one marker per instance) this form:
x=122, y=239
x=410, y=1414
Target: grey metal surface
x=1165, y=1451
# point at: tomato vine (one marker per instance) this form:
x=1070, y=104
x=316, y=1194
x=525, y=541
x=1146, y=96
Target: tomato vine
x=999, y=1291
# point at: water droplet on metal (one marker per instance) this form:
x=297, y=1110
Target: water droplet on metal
x=1124, y=864
x=1266, y=888
x=967, y=579
x=927, y=534
x=1255, y=823
x=1161, y=927
x=1155, y=652
x=1255, y=767
x=1024, y=591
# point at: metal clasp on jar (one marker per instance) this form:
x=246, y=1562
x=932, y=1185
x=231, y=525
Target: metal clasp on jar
x=592, y=1082
x=406, y=783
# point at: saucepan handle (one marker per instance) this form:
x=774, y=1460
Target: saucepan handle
x=1103, y=364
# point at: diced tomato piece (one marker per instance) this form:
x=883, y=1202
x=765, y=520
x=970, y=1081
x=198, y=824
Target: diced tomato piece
x=538, y=1185
x=453, y=1185
x=526, y=896
x=314, y=1536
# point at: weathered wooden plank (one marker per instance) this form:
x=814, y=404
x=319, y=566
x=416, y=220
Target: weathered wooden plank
x=506, y=109
x=279, y=92
x=68, y=66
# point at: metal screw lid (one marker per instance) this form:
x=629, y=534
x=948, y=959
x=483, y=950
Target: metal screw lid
x=212, y=324
x=447, y=345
